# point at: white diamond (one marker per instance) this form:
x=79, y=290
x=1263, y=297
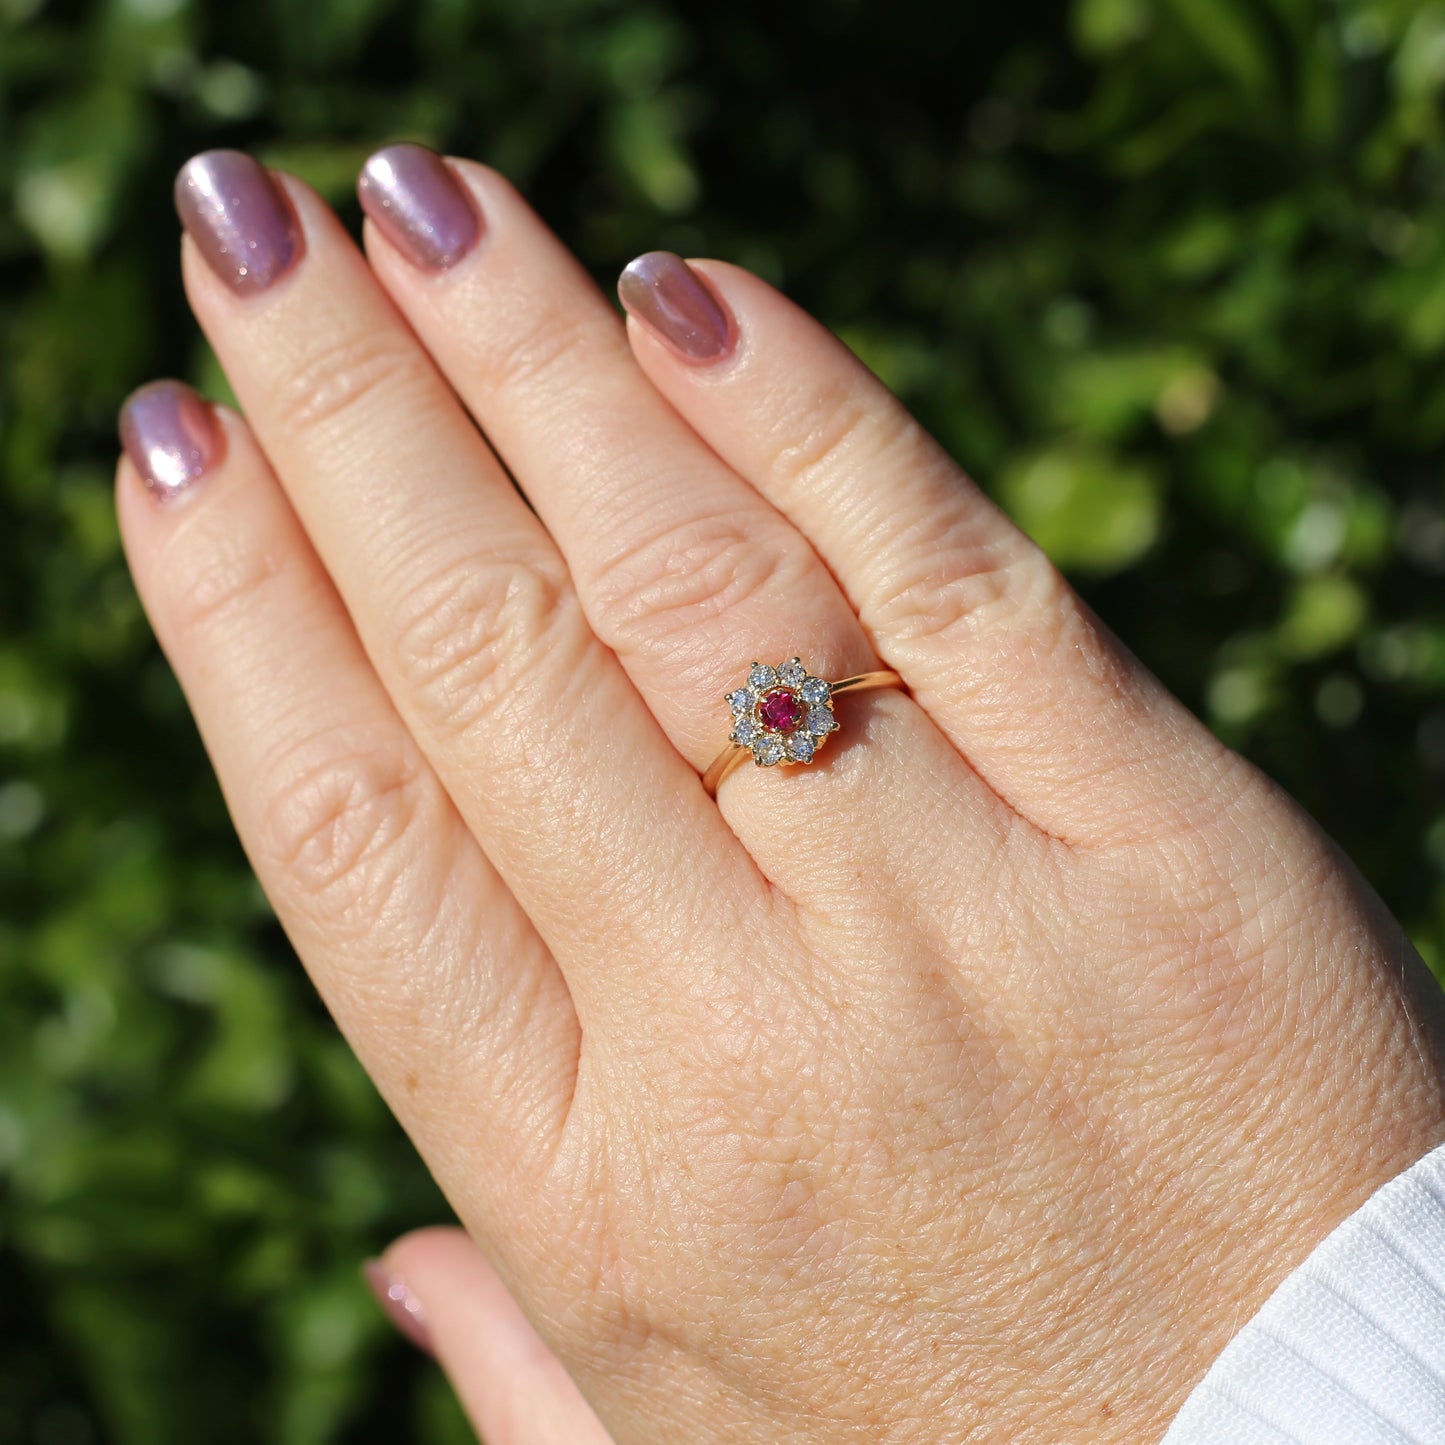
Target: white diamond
x=768, y=750
x=814, y=690
x=740, y=701
x=791, y=674
x=821, y=721
x=745, y=731
x=761, y=676
x=800, y=747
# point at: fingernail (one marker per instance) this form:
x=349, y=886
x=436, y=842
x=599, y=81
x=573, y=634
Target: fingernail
x=395, y=1297
x=171, y=436
x=667, y=296
x=419, y=206
x=239, y=217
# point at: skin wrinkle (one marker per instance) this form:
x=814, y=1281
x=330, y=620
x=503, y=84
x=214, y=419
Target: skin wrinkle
x=690, y=574
x=956, y=584
x=392, y=911
x=467, y=639
x=209, y=572
x=406, y=546
x=336, y=826
x=532, y=353
x=826, y=427
x=339, y=379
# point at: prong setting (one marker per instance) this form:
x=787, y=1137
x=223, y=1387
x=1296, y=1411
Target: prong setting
x=783, y=714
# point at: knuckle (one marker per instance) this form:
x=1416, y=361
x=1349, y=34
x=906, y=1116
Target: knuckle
x=347, y=376
x=474, y=631
x=524, y=356
x=966, y=587
x=690, y=572
x=341, y=832
x=213, y=569
x=843, y=428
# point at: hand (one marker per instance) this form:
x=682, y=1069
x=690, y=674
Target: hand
x=975, y=1081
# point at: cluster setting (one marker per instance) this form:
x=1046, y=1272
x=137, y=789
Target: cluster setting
x=783, y=714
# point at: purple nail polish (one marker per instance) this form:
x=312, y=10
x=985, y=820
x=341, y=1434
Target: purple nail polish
x=240, y=219
x=664, y=293
x=171, y=436
x=401, y=1305
x=419, y=206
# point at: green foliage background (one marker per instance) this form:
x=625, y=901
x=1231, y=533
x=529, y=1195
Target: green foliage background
x=1167, y=275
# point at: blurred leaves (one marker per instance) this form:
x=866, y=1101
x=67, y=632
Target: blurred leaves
x=1090, y=512
x=1168, y=276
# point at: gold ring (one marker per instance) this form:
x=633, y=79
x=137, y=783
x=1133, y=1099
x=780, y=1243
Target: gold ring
x=784, y=714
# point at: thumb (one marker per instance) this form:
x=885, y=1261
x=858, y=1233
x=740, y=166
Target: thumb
x=441, y=1292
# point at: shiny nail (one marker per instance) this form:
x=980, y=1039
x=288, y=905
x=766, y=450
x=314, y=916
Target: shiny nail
x=171, y=436
x=419, y=206
x=239, y=217
x=395, y=1297
x=668, y=297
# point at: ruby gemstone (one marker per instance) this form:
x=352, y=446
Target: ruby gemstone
x=780, y=711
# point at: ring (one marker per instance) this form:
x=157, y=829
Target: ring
x=784, y=714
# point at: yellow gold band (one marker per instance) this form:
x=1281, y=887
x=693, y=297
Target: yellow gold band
x=735, y=753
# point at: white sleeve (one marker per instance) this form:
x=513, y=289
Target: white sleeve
x=1350, y=1349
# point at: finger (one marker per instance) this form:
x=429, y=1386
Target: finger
x=1040, y=698
x=441, y=1292
x=678, y=562
x=683, y=569
x=462, y=602
x=422, y=956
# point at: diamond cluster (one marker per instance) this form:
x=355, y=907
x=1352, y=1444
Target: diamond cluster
x=784, y=714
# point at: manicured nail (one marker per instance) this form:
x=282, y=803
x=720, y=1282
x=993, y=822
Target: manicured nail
x=419, y=205
x=396, y=1298
x=239, y=217
x=667, y=296
x=171, y=437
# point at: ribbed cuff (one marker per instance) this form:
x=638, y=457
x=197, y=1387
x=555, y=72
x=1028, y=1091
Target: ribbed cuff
x=1350, y=1349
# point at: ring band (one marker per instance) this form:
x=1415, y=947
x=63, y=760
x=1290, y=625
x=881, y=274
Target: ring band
x=784, y=714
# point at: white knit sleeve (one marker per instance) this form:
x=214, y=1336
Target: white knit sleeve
x=1350, y=1349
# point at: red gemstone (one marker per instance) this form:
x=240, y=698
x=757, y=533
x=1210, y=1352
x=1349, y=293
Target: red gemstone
x=780, y=711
